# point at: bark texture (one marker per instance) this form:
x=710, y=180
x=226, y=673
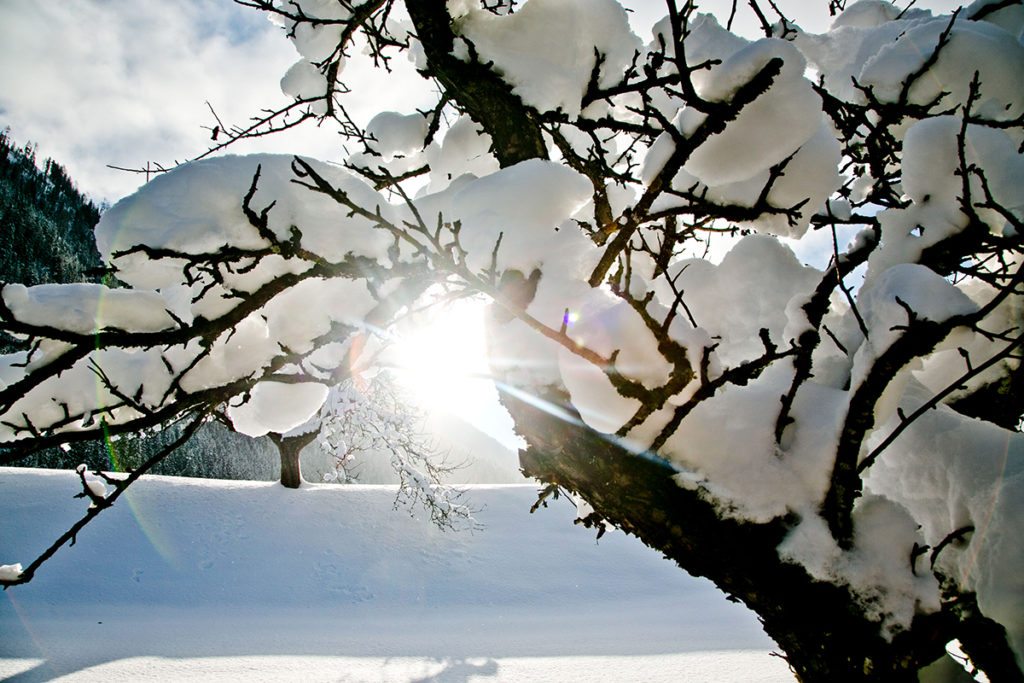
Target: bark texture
x=289, y=448
x=475, y=88
x=820, y=626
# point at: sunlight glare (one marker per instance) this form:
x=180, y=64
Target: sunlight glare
x=441, y=361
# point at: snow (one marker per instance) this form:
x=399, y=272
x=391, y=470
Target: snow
x=707, y=40
x=465, y=149
x=523, y=205
x=396, y=133
x=304, y=81
x=522, y=225
x=80, y=389
x=703, y=667
x=928, y=295
x=964, y=472
x=749, y=290
x=722, y=449
x=809, y=177
x=317, y=41
x=866, y=14
x=885, y=537
x=88, y=308
x=546, y=50
x=946, y=366
x=1010, y=18
x=806, y=179
x=288, y=318
x=930, y=180
x=768, y=129
x=212, y=217
x=223, y=580
x=276, y=407
x=97, y=487
x=198, y=209
x=606, y=325
x=994, y=53
x=785, y=125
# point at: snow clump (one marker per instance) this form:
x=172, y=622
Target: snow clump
x=546, y=50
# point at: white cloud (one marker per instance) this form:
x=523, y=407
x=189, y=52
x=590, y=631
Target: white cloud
x=97, y=82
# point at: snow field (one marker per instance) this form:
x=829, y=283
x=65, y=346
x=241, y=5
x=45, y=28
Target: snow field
x=225, y=580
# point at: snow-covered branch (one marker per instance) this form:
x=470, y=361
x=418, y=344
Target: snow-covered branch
x=632, y=208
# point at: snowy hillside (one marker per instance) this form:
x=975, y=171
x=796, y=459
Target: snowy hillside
x=212, y=580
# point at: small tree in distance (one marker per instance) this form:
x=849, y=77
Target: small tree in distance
x=836, y=448
x=366, y=418
x=370, y=418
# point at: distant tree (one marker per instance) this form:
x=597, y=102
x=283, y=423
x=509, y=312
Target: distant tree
x=838, y=452
x=371, y=418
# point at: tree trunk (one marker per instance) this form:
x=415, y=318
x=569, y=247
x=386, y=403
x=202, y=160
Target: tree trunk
x=821, y=627
x=289, y=448
x=514, y=129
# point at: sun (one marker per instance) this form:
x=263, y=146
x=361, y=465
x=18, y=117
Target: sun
x=441, y=358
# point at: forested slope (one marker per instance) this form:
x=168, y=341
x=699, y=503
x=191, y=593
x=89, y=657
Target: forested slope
x=46, y=224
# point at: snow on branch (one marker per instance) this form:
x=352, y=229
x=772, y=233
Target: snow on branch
x=773, y=284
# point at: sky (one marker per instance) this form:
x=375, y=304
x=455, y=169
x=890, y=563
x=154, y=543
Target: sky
x=95, y=83
x=125, y=82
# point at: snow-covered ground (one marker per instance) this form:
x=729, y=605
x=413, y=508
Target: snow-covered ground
x=211, y=580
